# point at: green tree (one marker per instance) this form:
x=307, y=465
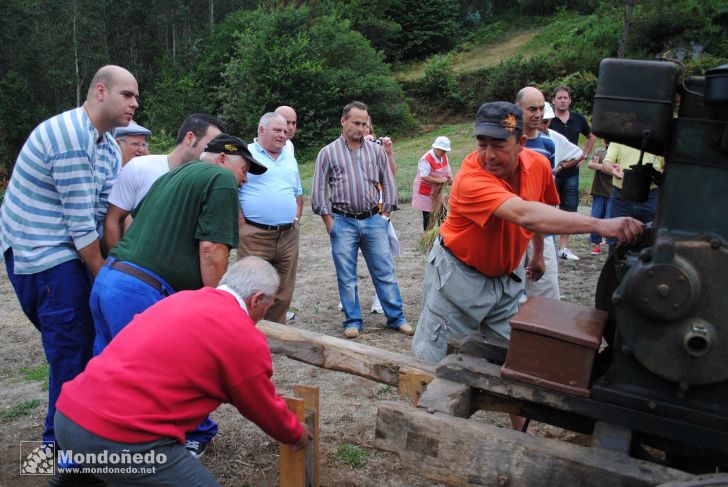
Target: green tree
x=428, y=26
x=316, y=65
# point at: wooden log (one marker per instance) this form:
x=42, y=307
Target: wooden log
x=461, y=452
x=447, y=397
x=293, y=464
x=407, y=373
x=310, y=396
x=482, y=375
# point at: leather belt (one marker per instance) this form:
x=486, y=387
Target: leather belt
x=512, y=275
x=139, y=274
x=277, y=228
x=358, y=216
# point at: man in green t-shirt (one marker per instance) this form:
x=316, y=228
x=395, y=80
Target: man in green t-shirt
x=181, y=238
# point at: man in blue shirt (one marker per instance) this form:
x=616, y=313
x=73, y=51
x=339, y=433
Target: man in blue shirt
x=532, y=103
x=51, y=218
x=271, y=205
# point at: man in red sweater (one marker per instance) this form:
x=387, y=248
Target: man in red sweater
x=167, y=370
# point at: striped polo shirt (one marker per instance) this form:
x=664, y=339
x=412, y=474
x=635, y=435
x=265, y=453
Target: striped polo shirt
x=57, y=197
x=354, y=177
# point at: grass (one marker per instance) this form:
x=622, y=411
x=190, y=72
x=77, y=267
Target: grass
x=18, y=411
x=352, y=455
x=408, y=152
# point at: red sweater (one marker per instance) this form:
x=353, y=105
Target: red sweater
x=173, y=365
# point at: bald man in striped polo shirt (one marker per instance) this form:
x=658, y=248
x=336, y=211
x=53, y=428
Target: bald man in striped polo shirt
x=51, y=218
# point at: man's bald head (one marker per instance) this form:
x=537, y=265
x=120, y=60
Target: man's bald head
x=531, y=101
x=291, y=120
x=112, y=98
x=108, y=76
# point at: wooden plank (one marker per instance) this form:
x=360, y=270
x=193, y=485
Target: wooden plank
x=482, y=375
x=409, y=374
x=461, y=452
x=447, y=397
x=310, y=396
x=293, y=464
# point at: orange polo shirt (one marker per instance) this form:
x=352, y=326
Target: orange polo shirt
x=473, y=233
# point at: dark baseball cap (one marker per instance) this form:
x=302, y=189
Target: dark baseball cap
x=498, y=119
x=229, y=144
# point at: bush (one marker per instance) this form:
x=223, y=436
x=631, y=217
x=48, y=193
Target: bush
x=323, y=63
x=439, y=86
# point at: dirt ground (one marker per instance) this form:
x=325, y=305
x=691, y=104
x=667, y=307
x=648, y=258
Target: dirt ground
x=241, y=454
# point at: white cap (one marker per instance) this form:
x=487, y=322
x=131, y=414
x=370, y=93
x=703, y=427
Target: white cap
x=548, y=111
x=442, y=143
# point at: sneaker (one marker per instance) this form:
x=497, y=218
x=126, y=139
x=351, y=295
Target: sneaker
x=567, y=254
x=407, y=329
x=196, y=448
x=351, y=332
x=596, y=250
x=290, y=315
x=377, y=306
x=340, y=306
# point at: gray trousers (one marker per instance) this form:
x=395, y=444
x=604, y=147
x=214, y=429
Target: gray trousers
x=178, y=467
x=457, y=300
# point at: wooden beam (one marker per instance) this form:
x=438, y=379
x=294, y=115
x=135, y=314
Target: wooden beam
x=310, y=396
x=405, y=372
x=447, y=397
x=293, y=464
x=482, y=375
x=461, y=452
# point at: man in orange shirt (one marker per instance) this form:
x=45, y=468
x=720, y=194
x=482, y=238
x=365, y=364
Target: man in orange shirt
x=501, y=198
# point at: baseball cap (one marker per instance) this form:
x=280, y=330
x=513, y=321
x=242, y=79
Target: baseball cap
x=498, y=119
x=229, y=144
x=548, y=111
x=131, y=129
x=442, y=143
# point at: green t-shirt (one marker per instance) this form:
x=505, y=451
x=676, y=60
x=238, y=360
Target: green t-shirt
x=197, y=201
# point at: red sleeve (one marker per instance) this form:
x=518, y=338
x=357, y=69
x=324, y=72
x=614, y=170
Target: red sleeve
x=256, y=399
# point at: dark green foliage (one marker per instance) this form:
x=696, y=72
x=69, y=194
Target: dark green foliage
x=677, y=28
x=438, y=88
x=315, y=65
x=428, y=26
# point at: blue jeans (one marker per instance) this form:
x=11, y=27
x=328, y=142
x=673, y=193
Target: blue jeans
x=348, y=235
x=115, y=298
x=601, y=208
x=56, y=302
x=644, y=212
x=568, y=189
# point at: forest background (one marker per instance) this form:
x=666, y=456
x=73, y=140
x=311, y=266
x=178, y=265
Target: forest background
x=418, y=64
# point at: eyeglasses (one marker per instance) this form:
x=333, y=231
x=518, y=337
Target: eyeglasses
x=135, y=145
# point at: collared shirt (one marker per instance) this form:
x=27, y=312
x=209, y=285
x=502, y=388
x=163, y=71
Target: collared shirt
x=576, y=124
x=354, y=176
x=270, y=198
x=473, y=233
x=56, y=201
x=237, y=297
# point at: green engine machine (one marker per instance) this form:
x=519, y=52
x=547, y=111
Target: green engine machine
x=668, y=298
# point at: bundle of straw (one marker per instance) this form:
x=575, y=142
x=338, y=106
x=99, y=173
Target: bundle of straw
x=438, y=214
